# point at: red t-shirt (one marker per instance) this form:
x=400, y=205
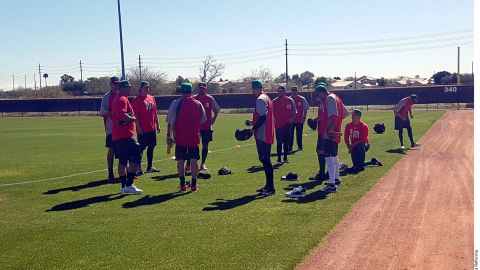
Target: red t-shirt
x=145, y=109
x=187, y=122
x=356, y=132
x=407, y=107
x=282, y=110
x=298, y=100
x=208, y=105
x=120, y=106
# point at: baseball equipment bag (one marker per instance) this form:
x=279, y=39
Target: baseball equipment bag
x=379, y=128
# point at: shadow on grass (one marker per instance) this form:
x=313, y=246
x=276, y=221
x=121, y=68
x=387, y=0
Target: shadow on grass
x=222, y=204
x=165, y=177
x=85, y=202
x=310, y=197
x=308, y=185
x=78, y=188
x=397, y=151
x=150, y=200
x=291, y=153
x=255, y=169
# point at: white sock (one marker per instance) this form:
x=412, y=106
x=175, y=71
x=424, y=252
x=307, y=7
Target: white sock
x=337, y=168
x=331, y=168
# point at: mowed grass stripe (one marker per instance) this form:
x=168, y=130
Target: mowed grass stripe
x=81, y=223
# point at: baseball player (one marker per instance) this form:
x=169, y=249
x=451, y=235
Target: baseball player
x=302, y=107
x=401, y=111
x=331, y=112
x=147, y=124
x=126, y=146
x=106, y=113
x=185, y=117
x=206, y=130
x=263, y=129
x=284, y=112
x=356, y=139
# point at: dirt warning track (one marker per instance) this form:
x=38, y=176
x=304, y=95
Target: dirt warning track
x=420, y=214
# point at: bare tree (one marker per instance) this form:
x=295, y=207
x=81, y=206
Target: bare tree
x=263, y=73
x=210, y=69
x=155, y=78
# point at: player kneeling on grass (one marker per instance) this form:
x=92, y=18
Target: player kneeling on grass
x=147, y=125
x=284, y=112
x=356, y=139
x=185, y=116
x=127, y=148
x=331, y=112
x=263, y=129
x=401, y=111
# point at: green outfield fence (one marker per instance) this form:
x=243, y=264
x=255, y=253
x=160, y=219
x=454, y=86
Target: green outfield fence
x=359, y=97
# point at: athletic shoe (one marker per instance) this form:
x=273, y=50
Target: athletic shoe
x=375, y=161
x=187, y=169
x=260, y=190
x=133, y=190
x=203, y=167
x=300, y=149
x=279, y=163
x=415, y=145
x=330, y=189
x=297, y=192
x=113, y=180
x=337, y=182
x=183, y=189
x=402, y=147
x=139, y=172
x=122, y=190
x=286, y=161
x=152, y=170
x=268, y=192
x=319, y=177
x=194, y=188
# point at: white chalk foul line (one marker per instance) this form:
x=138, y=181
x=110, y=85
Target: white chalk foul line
x=97, y=171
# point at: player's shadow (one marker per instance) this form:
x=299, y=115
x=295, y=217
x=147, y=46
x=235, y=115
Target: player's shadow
x=85, y=202
x=396, y=151
x=223, y=204
x=77, y=188
x=310, y=197
x=165, y=177
x=291, y=153
x=255, y=169
x=150, y=200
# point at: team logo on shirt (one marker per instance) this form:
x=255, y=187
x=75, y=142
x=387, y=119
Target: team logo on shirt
x=355, y=134
x=207, y=105
x=148, y=106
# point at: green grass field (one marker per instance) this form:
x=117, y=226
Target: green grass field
x=80, y=222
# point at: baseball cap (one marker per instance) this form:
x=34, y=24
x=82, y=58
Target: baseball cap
x=294, y=88
x=257, y=84
x=186, y=88
x=114, y=79
x=123, y=84
x=144, y=83
x=202, y=85
x=357, y=112
x=281, y=87
x=413, y=97
x=321, y=87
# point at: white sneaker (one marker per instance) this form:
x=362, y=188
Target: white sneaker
x=203, y=167
x=297, y=192
x=133, y=190
x=152, y=170
x=402, y=147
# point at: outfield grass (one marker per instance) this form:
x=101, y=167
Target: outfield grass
x=83, y=223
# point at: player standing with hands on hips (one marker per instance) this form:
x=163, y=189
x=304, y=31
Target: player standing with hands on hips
x=147, y=125
x=302, y=107
x=331, y=112
x=263, y=129
x=401, y=111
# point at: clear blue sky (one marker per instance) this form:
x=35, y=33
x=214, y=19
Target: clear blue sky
x=376, y=38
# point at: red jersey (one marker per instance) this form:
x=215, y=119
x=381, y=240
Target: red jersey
x=324, y=110
x=187, y=122
x=300, y=103
x=210, y=105
x=264, y=106
x=120, y=106
x=404, y=106
x=283, y=109
x=356, y=132
x=145, y=109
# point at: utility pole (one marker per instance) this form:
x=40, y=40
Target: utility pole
x=121, y=39
x=140, y=66
x=13, y=79
x=286, y=64
x=40, y=75
x=35, y=81
x=81, y=72
x=25, y=82
x=458, y=66
x=355, y=80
